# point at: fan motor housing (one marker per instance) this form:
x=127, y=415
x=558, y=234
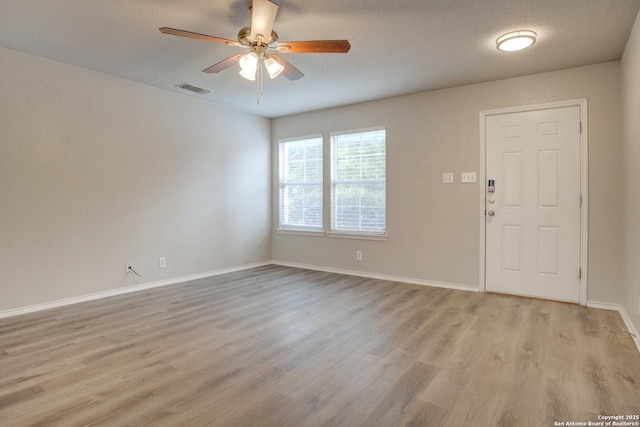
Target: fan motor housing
x=244, y=37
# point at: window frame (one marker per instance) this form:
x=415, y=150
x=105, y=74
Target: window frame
x=333, y=159
x=296, y=228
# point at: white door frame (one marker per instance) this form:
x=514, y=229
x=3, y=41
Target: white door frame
x=584, y=182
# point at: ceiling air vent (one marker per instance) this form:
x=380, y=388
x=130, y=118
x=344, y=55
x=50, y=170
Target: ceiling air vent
x=196, y=89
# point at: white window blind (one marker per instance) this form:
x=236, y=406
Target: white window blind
x=300, y=165
x=358, y=182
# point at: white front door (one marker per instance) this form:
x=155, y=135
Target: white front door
x=533, y=215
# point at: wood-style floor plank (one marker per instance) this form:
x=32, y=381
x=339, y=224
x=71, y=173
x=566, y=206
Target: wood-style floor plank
x=279, y=346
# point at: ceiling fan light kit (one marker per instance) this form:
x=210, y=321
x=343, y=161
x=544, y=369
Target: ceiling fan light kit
x=274, y=68
x=249, y=65
x=263, y=15
x=516, y=40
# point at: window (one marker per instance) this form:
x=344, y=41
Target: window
x=301, y=184
x=358, y=182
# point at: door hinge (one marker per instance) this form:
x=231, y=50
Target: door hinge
x=580, y=127
x=580, y=200
x=580, y=273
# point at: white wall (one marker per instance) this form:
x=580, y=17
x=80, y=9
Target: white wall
x=433, y=228
x=96, y=171
x=631, y=108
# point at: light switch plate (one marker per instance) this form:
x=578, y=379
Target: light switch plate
x=447, y=178
x=468, y=177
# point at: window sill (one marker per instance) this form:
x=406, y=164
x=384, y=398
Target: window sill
x=300, y=232
x=361, y=236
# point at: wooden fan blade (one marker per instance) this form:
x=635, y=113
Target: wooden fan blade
x=290, y=72
x=315, y=46
x=198, y=36
x=216, y=68
x=263, y=15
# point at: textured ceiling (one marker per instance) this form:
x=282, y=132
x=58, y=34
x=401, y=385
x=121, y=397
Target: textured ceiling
x=398, y=47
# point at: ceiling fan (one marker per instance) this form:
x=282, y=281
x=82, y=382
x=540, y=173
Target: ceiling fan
x=261, y=40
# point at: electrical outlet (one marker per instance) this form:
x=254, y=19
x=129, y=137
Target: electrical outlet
x=467, y=177
x=358, y=255
x=128, y=267
x=447, y=178
x=162, y=262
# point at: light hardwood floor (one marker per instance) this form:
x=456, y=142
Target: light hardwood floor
x=278, y=346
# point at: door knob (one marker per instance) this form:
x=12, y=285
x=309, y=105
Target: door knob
x=491, y=213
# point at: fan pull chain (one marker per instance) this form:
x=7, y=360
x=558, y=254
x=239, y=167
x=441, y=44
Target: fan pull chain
x=259, y=75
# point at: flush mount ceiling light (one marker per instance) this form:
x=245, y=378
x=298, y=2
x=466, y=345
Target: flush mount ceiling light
x=516, y=40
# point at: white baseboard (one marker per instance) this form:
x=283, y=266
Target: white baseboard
x=379, y=276
x=625, y=318
x=113, y=292
x=126, y=290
